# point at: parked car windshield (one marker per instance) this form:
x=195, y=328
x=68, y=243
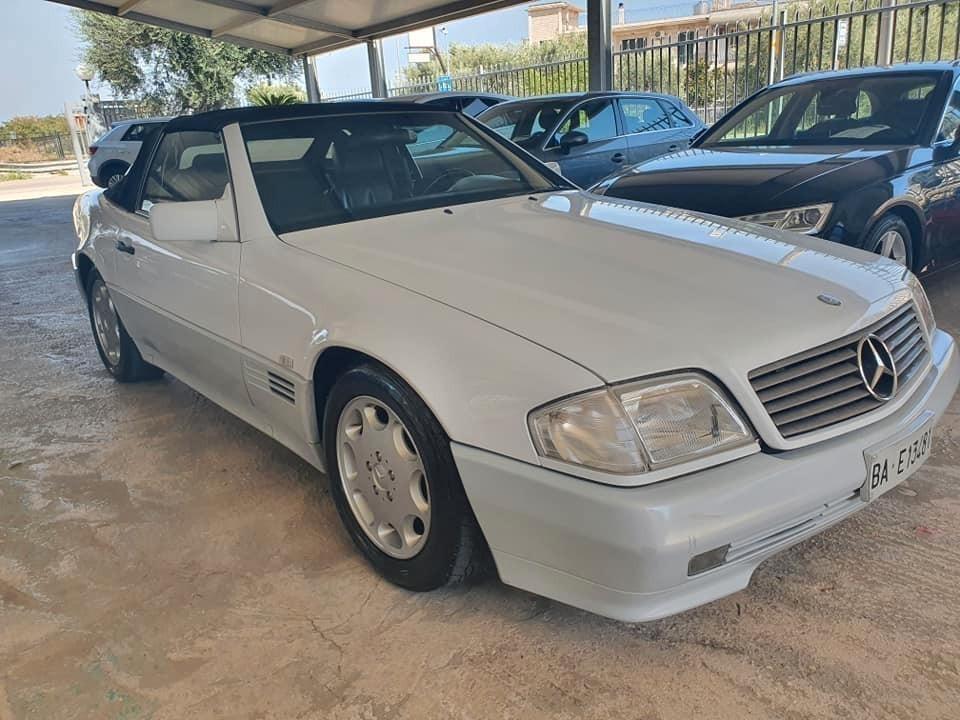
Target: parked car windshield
x=526, y=124
x=327, y=170
x=886, y=109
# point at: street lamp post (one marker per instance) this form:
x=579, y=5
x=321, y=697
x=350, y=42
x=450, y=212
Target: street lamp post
x=86, y=73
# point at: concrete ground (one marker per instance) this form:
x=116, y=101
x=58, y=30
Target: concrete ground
x=41, y=186
x=160, y=559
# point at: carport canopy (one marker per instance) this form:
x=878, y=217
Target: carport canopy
x=292, y=27
x=309, y=27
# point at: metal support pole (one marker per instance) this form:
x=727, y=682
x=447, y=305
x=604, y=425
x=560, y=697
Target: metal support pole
x=310, y=80
x=599, y=45
x=885, y=39
x=378, y=76
x=775, y=58
x=781, y=56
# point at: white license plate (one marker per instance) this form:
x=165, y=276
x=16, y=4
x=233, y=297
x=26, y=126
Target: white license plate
x=890, y=465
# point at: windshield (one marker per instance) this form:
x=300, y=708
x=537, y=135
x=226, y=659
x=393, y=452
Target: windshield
x=327, y=170
x=884, y=109
x=525, y=123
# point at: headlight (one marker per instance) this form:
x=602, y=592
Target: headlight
x=640, y=426
x=922, y=303
x=808, y=219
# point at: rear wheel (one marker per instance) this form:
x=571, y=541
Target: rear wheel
x=891, y=238
x=117, y=349
x=395, y=484
x=112, y=173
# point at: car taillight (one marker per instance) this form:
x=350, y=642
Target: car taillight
x=91, y=150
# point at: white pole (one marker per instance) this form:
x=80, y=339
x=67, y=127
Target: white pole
x=79, y=151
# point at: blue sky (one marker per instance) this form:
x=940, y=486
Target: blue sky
x=38, y=51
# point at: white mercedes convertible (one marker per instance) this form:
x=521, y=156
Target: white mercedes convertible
x=621, y=406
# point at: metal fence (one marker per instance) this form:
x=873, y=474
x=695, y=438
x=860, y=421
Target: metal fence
x=38, y=148
x=714, y=68
x=111, y=111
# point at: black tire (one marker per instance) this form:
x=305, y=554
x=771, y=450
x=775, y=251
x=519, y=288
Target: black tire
x=109, y=171
x=130, y=366
x=891, y=223
x=454, y=550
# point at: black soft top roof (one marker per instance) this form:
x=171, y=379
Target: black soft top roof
x=125, y=192
x=216, y=120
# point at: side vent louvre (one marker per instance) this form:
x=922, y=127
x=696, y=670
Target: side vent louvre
x=282, y=387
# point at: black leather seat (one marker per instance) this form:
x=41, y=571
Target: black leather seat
x=370, y=174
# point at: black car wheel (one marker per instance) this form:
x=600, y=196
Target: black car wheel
x=891, y=238
x=117, y=350
x=112, y=173
x=395, y=483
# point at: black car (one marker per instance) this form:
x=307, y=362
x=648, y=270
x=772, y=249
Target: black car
x=868, y=158
x=588, y=136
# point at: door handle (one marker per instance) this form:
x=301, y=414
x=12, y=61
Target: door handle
x=673, y=147
x=618, y=157
x=124, y=247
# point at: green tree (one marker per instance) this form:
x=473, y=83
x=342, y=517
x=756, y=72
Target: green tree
x=275, y=95
x=25, y=126
x=168, y=71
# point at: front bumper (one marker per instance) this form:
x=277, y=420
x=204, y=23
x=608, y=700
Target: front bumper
x=624, y=552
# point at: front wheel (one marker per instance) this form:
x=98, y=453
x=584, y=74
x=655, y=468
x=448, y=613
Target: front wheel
x=116, y=348
x=395, y=484
x=892, y=239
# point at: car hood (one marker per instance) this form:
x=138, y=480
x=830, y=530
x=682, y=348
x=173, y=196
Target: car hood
x=740, y=181
x=623, y=289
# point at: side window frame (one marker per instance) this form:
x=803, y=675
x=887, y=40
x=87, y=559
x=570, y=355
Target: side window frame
x=954, y=90
x=671, y=109
x=553, y=142
x=129, y=129
x=153, y=156
x=644, y=98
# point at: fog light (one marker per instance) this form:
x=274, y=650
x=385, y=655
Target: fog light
x=707, y=561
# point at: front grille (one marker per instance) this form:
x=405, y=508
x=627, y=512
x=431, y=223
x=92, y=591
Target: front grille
x=822, y=387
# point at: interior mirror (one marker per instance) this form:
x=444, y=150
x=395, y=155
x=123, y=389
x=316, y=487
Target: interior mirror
x=196, y=221
x=573, y=139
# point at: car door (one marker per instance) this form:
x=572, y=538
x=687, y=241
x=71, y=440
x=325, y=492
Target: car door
x=942, y=195
x=650, y=129
x=605, y=150
x=179, y=299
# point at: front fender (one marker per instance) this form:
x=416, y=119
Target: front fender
x=479, y=380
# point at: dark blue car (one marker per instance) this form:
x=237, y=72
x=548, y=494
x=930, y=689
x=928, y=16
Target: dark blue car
x=588, y=136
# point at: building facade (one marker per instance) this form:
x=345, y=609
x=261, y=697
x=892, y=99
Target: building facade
x=548, y=21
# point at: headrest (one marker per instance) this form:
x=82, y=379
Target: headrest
x=210, y=163
x=548, y=117
x=839, y=103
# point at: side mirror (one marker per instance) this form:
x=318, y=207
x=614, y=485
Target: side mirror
x=572, y=139
x=196, y=221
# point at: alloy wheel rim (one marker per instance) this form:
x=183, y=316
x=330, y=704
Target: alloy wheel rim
x=383, y=477
x=114, y=179
x=892, y=245
x=106, y=324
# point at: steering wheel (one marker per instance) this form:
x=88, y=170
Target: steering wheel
x=455, y=174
